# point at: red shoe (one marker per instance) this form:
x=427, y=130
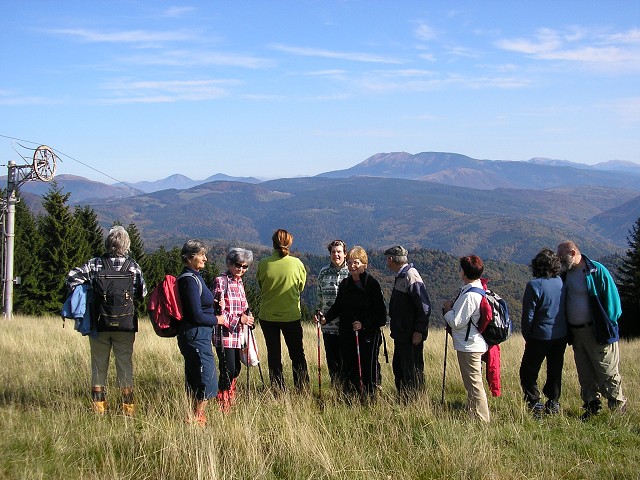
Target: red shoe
x=224, y=402
x=232, y=391
x=197, y=418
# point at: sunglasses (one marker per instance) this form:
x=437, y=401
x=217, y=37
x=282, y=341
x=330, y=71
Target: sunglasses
x=239, y=265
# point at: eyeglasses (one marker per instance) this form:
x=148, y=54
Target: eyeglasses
x=239, y=265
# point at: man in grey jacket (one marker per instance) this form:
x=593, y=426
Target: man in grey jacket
x=409, y=309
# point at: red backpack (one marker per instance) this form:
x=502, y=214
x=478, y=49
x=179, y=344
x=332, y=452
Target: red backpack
x=165, y=307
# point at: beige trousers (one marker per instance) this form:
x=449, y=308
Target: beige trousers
x=471, y=371
x=597, y=366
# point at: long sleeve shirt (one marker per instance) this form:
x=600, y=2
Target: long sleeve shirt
x=197, y=306
x=230, y=333
x=466, y=309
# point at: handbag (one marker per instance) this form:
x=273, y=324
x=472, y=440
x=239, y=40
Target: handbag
x=249, y=351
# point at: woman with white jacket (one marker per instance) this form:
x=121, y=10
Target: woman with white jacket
x=467, y=340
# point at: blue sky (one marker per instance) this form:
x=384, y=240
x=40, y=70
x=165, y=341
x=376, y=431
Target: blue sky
x=139, y=90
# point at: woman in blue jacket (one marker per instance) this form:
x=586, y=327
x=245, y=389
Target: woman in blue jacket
x=198, y=322
x=545, y=333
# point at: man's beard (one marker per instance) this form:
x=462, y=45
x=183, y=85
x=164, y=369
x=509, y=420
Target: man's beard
x=566, y=261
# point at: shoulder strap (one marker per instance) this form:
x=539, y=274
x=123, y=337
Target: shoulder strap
x=107, y=264
x=482, y=292
x=192, y=275
x=125, y=266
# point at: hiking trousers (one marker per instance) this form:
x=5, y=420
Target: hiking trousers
x=408, y=367
x=471, y=371
x=292, y=333
x=122, y=345
x=535, y=351
x=597, y=366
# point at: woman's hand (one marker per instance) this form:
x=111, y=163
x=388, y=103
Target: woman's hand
x=319, y=318
x=356, y=326
x=246, y=320
x=448, y=305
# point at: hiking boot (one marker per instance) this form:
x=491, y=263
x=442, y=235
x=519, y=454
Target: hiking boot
x=552, y=407
x=128, y=409
x=590, y=409
x=537, y=410
x=100, y=407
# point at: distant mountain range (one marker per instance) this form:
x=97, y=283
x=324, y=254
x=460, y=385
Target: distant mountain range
x=499, y=209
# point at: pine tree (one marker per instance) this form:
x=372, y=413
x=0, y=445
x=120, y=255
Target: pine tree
x=59, y=253
x=629, y=284
x=94, y=237
x=136, y=251
x=629, y=271
x=27, y=263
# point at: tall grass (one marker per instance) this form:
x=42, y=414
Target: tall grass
x=48, y=430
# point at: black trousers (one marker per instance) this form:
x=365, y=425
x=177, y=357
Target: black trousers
x=230, y=366
x=334, y=359
x=292, y=333
x=408, y=367
x=367, y=363
x=535, y=351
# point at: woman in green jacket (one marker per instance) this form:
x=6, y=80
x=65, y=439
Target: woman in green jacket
x=281, y=278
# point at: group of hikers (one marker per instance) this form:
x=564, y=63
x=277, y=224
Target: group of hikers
x=570, y=300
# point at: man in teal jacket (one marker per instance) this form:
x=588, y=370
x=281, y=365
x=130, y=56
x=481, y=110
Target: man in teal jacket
x=591, y=304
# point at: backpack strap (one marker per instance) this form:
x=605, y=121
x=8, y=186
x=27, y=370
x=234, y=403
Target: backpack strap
x=192, y=275
x=107, y=264
x=482, y=292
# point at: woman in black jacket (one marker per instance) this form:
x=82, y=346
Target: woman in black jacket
x=360, y=306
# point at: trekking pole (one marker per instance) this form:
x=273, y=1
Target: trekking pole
x=444, y=368
x=359, y=362
x=245, y=347
x=319, y=374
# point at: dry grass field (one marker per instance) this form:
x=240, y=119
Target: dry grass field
x=49, y=432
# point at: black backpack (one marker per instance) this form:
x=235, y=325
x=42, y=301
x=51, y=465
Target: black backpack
x=113, y=290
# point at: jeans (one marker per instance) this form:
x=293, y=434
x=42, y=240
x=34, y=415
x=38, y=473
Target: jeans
x=199, y=366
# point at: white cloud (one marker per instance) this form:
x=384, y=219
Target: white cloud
x=192, y=58
x=618, y=51
x=626, y=108
x=350, y=56
x=424, y=32
x=131, y=36
x=175, y=12
x=167, y=91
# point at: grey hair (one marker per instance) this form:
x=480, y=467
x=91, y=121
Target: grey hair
x=239, y=255
x=399, y=259
x=117, y=242
x=191, y=248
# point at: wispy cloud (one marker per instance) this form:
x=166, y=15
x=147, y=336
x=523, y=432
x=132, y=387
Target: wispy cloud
x=130, y=36
x=628, y=109
x=620, y=50
x=198, y=58
x=424, y=32
x=175, y=12
x=11, y=98
x=349, y=56
x=167, y=91
x=412, y=83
